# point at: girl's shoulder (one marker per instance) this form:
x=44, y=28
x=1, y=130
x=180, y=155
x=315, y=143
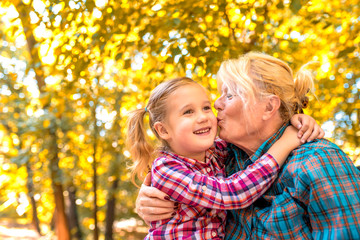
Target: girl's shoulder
x=220, y=144
x=165, y=157
x=218, y=151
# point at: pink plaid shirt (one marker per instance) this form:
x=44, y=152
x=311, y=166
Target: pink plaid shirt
x=204, y=193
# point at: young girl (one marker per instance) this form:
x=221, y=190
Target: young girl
x=189, y=166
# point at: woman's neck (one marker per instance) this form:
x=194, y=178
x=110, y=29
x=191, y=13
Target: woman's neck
x=249, y=149
x=252, y=144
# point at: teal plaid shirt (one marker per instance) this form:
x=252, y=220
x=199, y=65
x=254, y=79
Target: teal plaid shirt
x=316, y=196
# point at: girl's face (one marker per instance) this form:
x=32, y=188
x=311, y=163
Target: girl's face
x=190, y=126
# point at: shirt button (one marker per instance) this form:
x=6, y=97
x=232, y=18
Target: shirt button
x=213, y=234
x=204, y=188
x=208, y=169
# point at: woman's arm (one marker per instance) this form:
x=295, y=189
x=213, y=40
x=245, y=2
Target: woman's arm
x=152, y=204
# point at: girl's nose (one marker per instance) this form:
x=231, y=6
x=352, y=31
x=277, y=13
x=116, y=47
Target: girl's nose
x=203, y=117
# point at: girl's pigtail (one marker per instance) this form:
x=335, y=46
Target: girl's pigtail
x=137, y=143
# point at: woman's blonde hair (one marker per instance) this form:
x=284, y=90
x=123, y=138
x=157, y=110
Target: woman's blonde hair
x=142, y=151
x=256, y=75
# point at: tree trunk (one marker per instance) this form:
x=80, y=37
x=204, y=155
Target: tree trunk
x=110, y=211
x=95, y=133
x=24, y=14
x=30, y=186
x=75, y=229
x=61, y=224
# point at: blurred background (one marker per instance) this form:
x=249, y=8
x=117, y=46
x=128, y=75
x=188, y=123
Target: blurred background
x=71, y=70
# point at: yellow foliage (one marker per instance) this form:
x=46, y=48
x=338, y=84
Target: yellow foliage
x=224, y=31
x=161, y=13
x=46, y=123
x=202, y=26
x=284, y=45
x=66, y=162
x=169, y=68
x=83, y=47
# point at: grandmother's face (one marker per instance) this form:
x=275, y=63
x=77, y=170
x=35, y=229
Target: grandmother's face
x=236, y=125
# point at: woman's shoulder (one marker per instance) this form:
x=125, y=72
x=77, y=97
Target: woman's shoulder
x=317, y=155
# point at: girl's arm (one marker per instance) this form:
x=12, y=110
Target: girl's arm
x=307, y=126
x=307, y=130
x=284, y=145
x=186, y=186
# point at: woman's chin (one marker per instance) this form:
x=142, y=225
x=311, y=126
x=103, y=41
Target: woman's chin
x=222, y=135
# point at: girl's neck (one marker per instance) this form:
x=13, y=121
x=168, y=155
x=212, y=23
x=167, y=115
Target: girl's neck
x=200, y=157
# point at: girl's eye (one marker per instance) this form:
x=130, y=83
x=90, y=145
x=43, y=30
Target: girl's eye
x=207, y=108
x=188, y=112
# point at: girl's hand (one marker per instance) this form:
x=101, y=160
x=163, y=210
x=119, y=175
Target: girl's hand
x=152, y=204
x=307, y=126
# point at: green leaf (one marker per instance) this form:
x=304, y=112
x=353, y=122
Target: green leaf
x=295, y=6
x=346, y=51
x=118, y=56
x=175, y=51
x=127, y=63
x=22, y=158
x=176, y=21
x=280, y=5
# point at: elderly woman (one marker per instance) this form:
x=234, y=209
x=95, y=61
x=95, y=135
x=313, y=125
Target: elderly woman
x=317, y=193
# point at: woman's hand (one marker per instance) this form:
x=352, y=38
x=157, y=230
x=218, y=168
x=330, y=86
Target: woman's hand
x=307, y=126
x=152, y=204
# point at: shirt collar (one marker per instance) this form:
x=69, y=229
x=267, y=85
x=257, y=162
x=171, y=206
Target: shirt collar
x=190, y=161
x=241, y=156
x=268, y=143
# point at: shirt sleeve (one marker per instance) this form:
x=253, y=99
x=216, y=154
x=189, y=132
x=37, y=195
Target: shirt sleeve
x=193, y=188
x=219, y=150
x=329, y=188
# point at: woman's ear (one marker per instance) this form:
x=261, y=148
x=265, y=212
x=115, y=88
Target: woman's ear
x=161, y=130
x=272, y=106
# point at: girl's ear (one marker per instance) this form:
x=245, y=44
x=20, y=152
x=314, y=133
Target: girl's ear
x=272, y=106
x=161, y=130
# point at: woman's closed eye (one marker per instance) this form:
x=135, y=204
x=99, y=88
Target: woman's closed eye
x=229, y=96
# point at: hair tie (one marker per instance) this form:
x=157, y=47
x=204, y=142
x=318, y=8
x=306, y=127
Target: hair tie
x=146, y=109
x=305, y=102
x=298, y=108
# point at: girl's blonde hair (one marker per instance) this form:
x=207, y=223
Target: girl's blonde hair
x=257, y=75
x=142, y=151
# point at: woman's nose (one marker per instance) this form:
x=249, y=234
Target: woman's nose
x=218, y=104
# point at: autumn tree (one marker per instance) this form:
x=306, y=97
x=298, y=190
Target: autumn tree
x=72, y=70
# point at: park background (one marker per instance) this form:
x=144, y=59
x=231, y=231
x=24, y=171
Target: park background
x=71, y=70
